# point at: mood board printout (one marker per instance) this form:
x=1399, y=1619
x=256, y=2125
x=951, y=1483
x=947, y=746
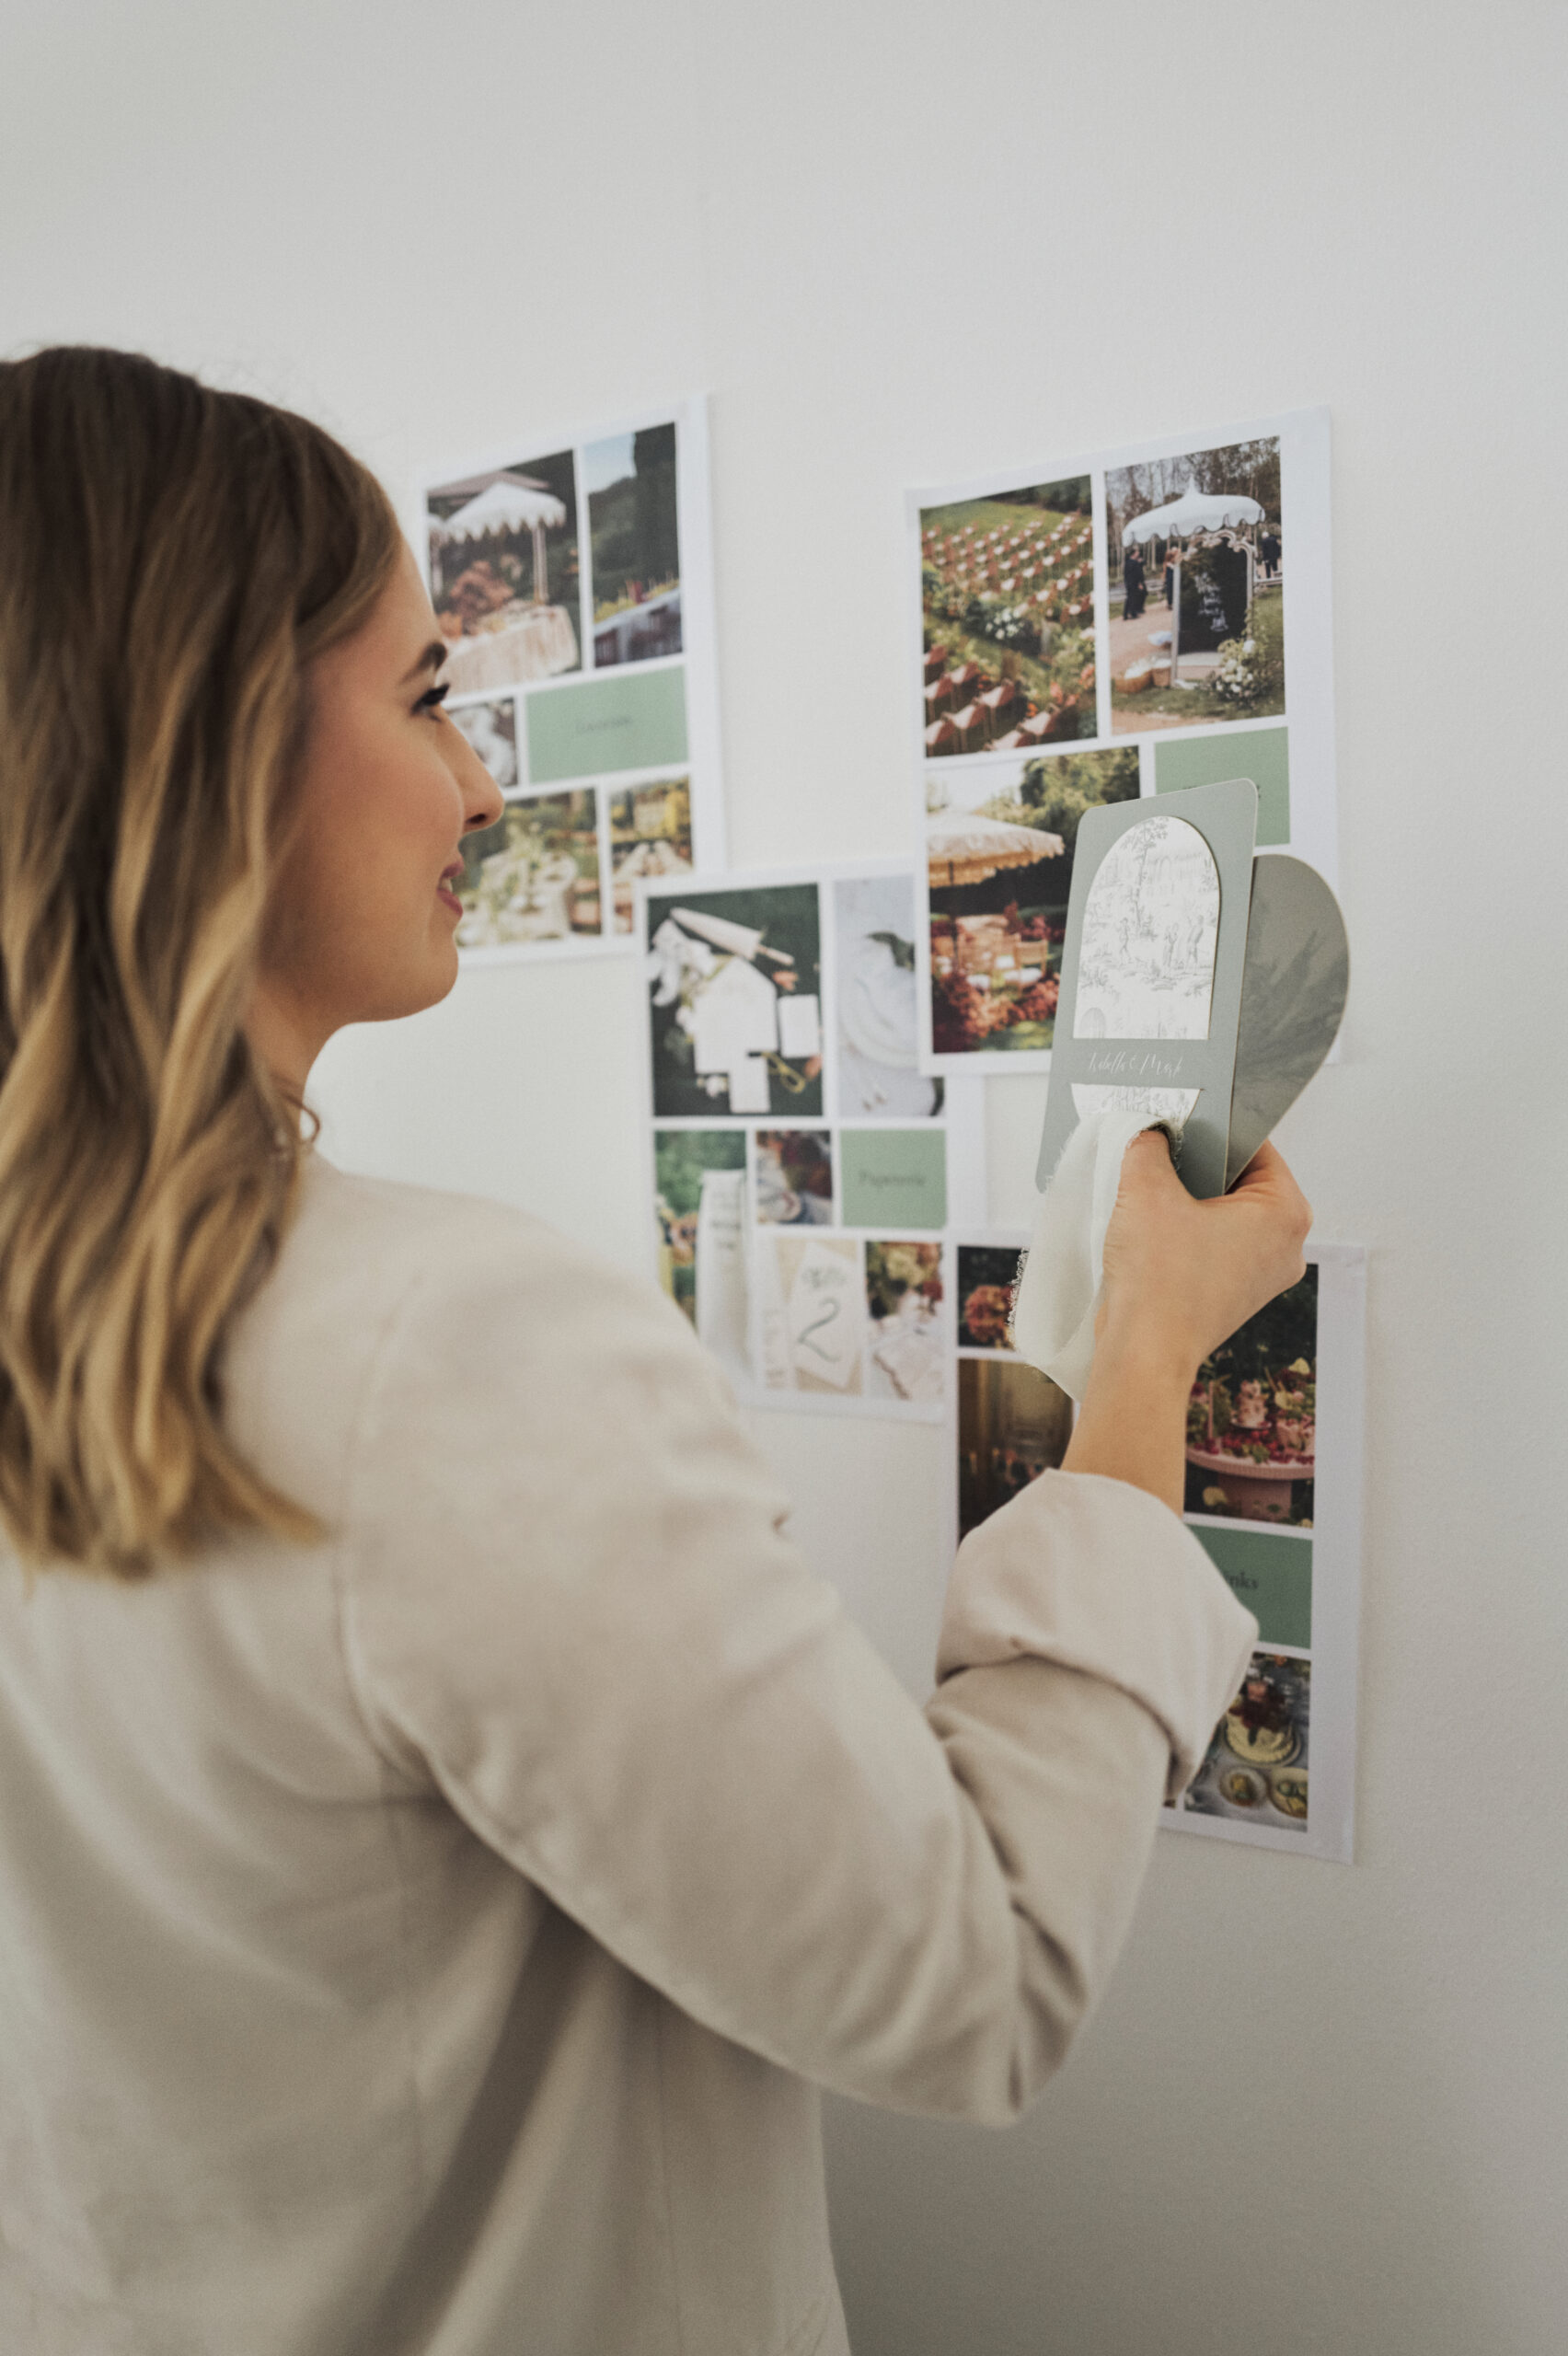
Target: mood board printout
x=1085, y=632
x=571, y=578
x=1272, y=1492
x=803, y=1173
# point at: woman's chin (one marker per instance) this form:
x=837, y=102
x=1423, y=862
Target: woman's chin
x=424, y=984
x=444, y=976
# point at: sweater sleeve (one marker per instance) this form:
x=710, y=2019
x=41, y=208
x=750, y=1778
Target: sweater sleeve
x=569, y=1604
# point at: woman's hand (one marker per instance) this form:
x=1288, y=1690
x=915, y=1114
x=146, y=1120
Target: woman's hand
x=1186, y=1274
x=1180, y=1278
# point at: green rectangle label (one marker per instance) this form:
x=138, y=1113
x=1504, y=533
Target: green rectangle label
x=894, y=1177
x=631, y=721
x=1270, y=1574
x=1262, y=754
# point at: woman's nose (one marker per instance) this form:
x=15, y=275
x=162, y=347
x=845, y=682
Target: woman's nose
x=481, y=795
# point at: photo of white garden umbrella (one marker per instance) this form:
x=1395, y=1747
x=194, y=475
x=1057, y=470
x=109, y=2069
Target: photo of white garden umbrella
x=963, y=847
x=739, y=940
x=1194, y=515
x=1195, y=510
x=512, y=503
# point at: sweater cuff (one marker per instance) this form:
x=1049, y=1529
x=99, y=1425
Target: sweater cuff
x=1102, y=1578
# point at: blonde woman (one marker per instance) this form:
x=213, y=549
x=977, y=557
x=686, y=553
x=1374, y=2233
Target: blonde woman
x=437, y=1872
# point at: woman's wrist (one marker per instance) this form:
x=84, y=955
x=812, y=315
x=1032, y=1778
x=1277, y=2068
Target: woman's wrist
x=1132, y=1421
x=1134, y=1343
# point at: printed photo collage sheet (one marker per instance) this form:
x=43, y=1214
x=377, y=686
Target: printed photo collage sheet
x=1096, y=631
x=805, y=1174
x=571, y=578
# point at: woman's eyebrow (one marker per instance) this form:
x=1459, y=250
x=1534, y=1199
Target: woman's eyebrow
x=433, y=658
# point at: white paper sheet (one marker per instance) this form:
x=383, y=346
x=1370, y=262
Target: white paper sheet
x=800, y=1026
x=734, y=1015
x=748, y=1085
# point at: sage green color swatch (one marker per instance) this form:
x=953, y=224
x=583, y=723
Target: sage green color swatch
x=632, y=721
x=1262, y=754
x=893, y=1177
x=1270, y=1574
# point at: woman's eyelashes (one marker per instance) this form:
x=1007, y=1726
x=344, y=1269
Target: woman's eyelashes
x=433, y=698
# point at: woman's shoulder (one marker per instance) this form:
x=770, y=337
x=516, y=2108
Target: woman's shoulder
x=377, y=1247
x=377, y=1278
x=381, y=1235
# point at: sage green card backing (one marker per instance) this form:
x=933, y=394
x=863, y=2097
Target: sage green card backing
x=1226, y=814
x=893, y=1177
x=631, y=721
x=1262, y=754
x=1293, y=996
x=1271, y=1573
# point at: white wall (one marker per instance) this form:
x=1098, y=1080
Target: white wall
x=1324, y=2109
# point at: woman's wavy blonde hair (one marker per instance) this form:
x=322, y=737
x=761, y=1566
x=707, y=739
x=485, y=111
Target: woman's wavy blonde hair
x=171, y=558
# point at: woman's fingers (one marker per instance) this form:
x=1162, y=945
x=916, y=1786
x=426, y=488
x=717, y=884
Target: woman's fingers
x=1190, y=1272
x=1269, y=1172
x=1268, y=1186
x=1148, y=1173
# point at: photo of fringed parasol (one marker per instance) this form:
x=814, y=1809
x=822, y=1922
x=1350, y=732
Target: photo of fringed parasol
x=963, y=847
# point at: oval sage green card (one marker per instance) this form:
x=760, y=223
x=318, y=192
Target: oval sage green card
x=1292, y=992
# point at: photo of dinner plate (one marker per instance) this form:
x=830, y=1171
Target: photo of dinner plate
x=1241, y=1787
x=1262, y=1746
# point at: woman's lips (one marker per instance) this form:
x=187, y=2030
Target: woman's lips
x=445, y=891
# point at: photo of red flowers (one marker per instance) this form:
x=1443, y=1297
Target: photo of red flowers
x=1000, y=847
x=988, y=1275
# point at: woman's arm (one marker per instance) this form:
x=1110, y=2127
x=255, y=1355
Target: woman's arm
x=569, y=1605
x=1180, y=1276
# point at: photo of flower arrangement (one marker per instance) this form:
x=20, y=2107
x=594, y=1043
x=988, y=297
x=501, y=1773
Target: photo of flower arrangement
x=794, y=1177
x=1007, y=613
x=1256, y=1768
x=491, y=729
x=1252, y=1419
x=534, y=877
x=1000, y=843
x=904, y=1357
x=649, y=835
x=505, y=574
x=634, y=541
x=734, y=1002
x=987, y=1276
x=1013, y=1425
x=1196, y=559
x=681, y=1158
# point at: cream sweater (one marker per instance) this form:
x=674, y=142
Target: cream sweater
x=433, y=1941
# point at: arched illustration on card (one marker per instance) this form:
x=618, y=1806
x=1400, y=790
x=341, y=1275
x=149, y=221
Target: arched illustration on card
x=1152, y=965
x=1199, y=982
